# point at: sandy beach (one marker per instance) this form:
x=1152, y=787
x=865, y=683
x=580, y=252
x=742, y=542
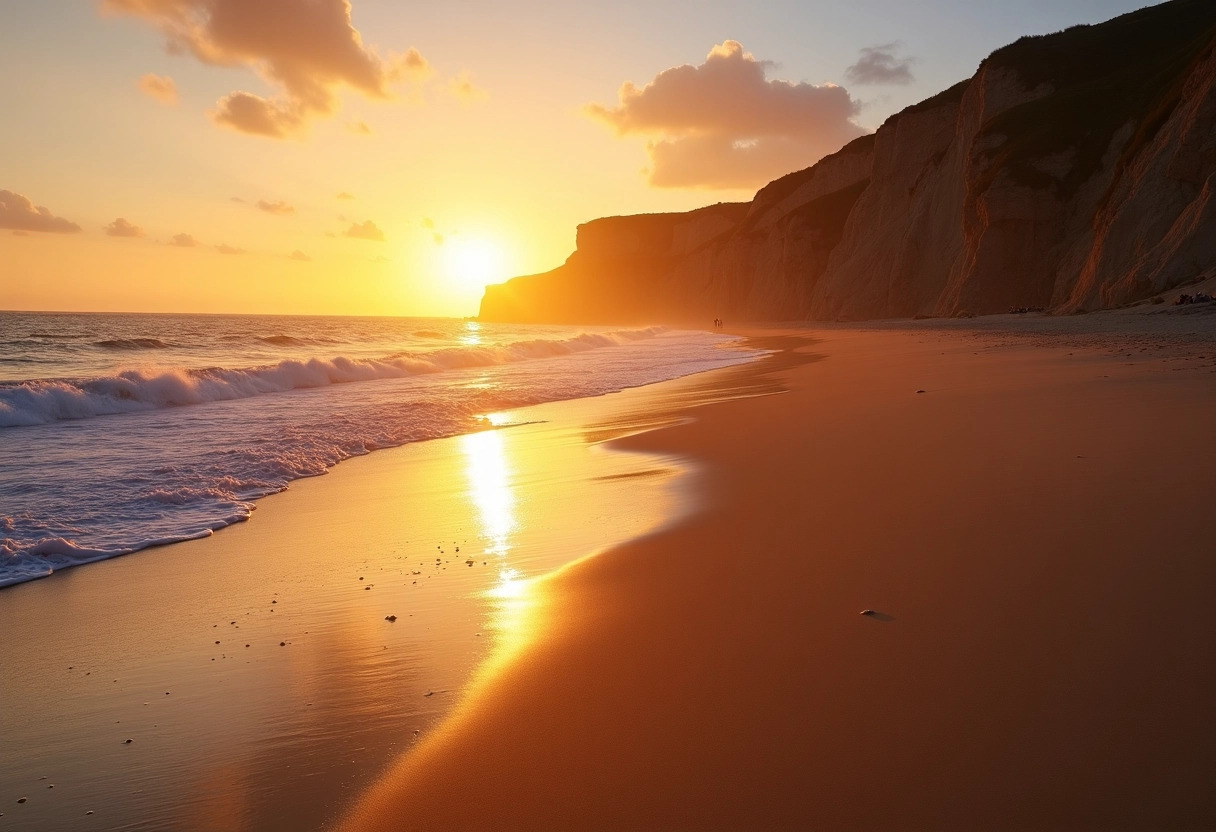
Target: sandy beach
x=1027, y=511
x=660, y=628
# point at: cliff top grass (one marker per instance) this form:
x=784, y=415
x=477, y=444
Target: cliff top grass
x=1128, y=70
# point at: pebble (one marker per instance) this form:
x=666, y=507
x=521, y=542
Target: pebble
x=89, y=812
x=390, y=618
x=22, y=799
x=920, y=391
x=867, y=612
x=282, y=644
x=127, y=741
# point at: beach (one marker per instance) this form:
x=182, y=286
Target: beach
x=660, y=627
x=1030, y=524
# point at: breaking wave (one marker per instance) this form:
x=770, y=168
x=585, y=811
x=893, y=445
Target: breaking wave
x=41, y=401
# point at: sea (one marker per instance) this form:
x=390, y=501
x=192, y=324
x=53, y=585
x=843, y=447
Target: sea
x=119, y=432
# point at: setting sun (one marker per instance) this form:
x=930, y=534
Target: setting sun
x=474, y=262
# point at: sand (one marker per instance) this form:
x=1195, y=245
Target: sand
x=661, y=626
x=178, y=648
x=1029, y=515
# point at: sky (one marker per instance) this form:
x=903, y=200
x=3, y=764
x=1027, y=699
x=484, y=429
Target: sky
x=378, y=157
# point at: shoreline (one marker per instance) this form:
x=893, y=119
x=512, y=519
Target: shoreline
x=254, y=669
x=1030, y=524
x=261, y=755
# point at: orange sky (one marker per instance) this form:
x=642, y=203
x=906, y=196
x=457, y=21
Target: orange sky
x=297, y=156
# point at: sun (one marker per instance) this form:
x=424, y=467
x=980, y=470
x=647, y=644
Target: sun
x=473, y=262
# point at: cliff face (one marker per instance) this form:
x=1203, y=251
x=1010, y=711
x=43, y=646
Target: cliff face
x=1074, y=171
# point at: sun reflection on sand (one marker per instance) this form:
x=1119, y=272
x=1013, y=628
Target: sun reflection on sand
x=491, y=489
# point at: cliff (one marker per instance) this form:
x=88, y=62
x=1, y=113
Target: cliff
x=1073, y=171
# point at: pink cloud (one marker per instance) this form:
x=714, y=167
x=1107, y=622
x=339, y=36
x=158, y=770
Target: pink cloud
x=277, y=208
x=307, y=50
x=184, y=241
x=366, y=230
x=159, y=87
x=463, y=88
x=724, y=124
x=19, y=213
x=122, y=228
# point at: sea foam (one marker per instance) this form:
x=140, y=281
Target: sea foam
x=41, y=401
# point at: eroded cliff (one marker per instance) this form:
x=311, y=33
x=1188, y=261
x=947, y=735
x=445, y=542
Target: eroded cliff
x=1074, y=171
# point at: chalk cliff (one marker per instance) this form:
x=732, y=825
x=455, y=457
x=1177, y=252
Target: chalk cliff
x=1073, y=171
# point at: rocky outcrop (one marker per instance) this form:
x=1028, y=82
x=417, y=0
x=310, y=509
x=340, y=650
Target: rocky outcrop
x=1074, y=171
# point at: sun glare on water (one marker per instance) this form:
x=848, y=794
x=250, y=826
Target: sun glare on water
x=473, y=262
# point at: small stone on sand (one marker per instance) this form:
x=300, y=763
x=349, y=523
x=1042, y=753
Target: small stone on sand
x=127, y=741
x=390, y=618
x=867, y=612
x=22, y=799
x=282, y=644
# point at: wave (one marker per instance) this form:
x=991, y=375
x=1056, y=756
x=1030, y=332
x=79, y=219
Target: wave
x=294, y=341
x=132, y=344
x=42, y=401
x=428, y=333
x=56, y=336
x=49, y=554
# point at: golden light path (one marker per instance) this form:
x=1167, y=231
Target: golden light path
x=490, y=488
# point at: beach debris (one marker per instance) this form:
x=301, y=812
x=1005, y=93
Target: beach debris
x=282, y=644
x=217, y=642
x=128, y=741
x=468, y=562
x=50, y=785
x=360, y=577
x=429, y=693
x=89, y=812
x=867, y=612
x=390, y=618
x=274, y=602
x=22, y=799
x=920, y=391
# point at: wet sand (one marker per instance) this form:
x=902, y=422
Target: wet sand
x=254, y=671
x=1029, y=516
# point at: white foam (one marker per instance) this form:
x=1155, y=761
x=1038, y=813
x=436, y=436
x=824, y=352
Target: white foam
x=41, y=401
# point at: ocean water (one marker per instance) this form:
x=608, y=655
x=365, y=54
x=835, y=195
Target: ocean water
x=120, y=432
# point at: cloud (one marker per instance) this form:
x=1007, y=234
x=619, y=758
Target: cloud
x=366, y=230
x=306, y=50
x=300, y=256
x=359, y=128
x=236, y=199
x=463, y=88
x=224, y=248
x=18, y=213
x=278, y=208
x=183, y=241
x=159, y=87
x=427, y=222
x=345, y=195
x=881, y=65
x=121, y=228
x=723, y=124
